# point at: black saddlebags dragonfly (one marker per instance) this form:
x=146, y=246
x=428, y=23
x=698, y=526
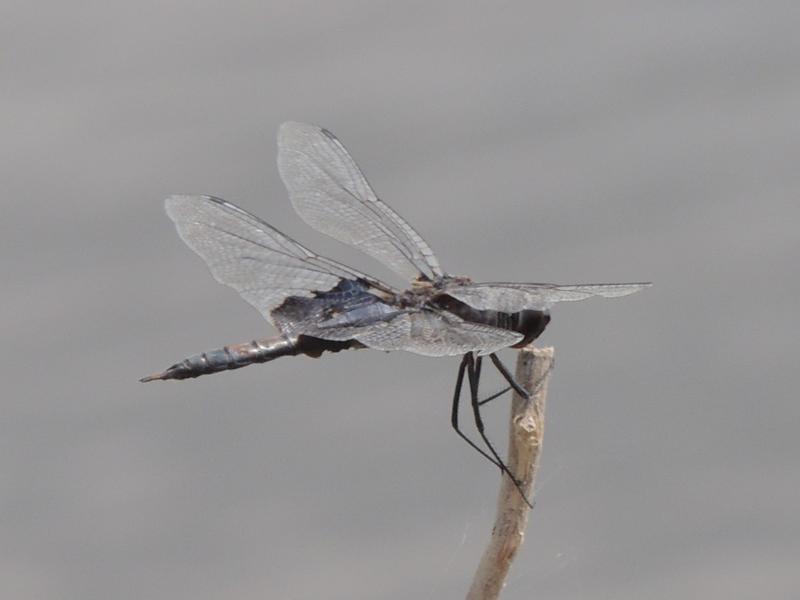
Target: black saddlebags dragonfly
x=320, y=305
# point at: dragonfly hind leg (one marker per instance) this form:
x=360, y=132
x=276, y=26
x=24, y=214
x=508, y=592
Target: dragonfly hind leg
x=473, y=374
x=472, y=367
x=454, y=413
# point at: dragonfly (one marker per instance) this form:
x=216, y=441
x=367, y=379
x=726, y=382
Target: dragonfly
x=320, y=305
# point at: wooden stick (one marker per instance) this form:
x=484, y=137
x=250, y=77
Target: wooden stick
x=524, y=445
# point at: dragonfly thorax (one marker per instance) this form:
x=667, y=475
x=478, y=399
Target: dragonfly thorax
x=530, y=323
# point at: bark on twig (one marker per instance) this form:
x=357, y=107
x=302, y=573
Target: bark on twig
x=524, y=445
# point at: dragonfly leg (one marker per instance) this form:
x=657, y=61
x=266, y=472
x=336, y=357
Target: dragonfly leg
x=495, y=395
x=454, y=412
x=509, y=377
x=478, y=364
x=512, y=382
x=473, y=377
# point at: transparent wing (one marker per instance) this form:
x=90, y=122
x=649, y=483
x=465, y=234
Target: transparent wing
x=435, y=334
x=385, y=327
x=513, y=297
x=329, y=192
x=335, y=315
x=252, y=257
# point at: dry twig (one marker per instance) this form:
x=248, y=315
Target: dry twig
x=524, y=444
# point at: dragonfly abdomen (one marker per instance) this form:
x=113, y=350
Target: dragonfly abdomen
x=227, y=358
x=236, y=356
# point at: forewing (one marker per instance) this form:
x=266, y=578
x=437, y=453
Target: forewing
x=513, y=297
x=436, y=334
x=252, y=257
x=329, y=192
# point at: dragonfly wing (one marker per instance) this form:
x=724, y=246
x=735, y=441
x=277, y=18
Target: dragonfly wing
x=339, y=314
x=513, y=297
x=436, y=334
x=331, y=194
x=265, y=266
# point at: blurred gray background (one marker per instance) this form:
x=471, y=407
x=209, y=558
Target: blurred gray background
x=526, y=141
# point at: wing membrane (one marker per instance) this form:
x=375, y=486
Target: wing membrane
x=252, y=257
x=436, y=334
x=513, y=297
x=331, y=194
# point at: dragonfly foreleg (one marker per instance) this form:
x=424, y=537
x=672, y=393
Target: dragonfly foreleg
x=509, y=377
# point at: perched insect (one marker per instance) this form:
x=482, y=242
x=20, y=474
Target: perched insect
x=321, y=305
